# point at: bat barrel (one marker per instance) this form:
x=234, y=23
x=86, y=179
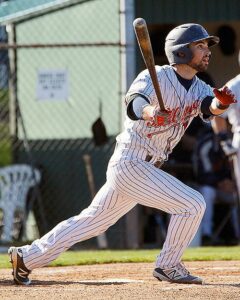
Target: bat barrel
x=145, y=46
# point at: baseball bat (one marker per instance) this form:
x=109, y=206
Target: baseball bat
x=142, y=35
x=101, y=239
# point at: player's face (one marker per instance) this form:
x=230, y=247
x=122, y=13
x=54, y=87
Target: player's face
x=201, y=56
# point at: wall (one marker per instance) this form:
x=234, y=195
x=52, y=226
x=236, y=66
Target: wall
x=94, y=72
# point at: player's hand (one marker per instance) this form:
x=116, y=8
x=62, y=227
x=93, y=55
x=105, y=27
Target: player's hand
x=225, y=96
x=160, y=117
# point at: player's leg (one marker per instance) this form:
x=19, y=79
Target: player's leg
x=106, y=208
x=155, y=188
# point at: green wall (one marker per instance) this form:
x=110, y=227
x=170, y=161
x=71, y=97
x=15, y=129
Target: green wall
x=94, y=72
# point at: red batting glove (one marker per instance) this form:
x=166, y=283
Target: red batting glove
x=225, y=96
x=160, y=117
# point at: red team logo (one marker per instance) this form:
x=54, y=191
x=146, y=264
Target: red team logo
x=175, y=117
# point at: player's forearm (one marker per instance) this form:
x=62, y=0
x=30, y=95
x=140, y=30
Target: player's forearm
x=216, y=108
x=148, y=112
x=223, y=98
x=140, y=109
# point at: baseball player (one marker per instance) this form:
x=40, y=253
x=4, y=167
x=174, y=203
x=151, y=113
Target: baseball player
x=134, y=173
x=231, y=147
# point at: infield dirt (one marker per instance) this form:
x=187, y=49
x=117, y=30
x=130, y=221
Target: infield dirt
x=124, y=281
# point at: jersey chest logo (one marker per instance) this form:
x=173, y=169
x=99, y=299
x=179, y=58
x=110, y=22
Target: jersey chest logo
x=177, y=117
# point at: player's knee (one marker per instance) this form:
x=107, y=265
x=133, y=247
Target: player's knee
x=203, y=203
x=199, y=205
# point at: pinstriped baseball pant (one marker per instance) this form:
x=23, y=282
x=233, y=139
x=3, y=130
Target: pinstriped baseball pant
x=128, y=183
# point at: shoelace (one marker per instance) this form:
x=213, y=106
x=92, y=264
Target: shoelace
x=180, y=267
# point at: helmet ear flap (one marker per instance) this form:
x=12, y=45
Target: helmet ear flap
x=180, y=54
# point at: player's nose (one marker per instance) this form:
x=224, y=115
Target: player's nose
x=208, y=55
x=208, y=52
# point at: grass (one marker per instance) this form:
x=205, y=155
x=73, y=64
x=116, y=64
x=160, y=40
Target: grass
x=123, y=256
x=5, y=138
x=5, y=151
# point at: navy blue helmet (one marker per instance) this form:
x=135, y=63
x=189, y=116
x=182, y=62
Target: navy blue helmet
x=178, y=40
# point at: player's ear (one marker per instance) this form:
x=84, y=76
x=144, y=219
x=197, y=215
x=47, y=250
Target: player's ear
x=180, y=54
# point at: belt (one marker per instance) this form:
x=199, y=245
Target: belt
x=158, y=164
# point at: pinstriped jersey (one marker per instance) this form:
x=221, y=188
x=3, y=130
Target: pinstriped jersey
x=141, y=138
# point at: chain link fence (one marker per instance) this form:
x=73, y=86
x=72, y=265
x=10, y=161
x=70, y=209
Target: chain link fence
x=60, y=100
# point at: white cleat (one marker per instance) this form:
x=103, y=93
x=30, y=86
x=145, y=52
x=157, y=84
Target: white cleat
x=177, y=274
x=20, y=272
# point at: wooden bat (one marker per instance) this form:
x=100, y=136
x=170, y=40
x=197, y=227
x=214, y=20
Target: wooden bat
x=102, y=238
x=142, y=35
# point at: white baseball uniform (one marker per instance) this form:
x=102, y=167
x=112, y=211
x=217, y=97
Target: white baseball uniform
x=134, y=176
x=233, y=114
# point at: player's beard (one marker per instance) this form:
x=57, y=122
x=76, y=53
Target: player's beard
x=200, y=67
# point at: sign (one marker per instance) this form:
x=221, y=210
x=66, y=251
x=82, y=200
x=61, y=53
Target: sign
x=52, y=85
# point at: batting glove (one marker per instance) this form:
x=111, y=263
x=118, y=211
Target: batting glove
x=226, y=145
x=225, y=97
x=160, y=117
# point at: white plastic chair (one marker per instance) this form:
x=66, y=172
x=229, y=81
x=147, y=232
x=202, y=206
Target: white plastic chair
x=15, y=182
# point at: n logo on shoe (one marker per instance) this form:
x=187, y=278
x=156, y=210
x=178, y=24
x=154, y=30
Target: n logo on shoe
x=173, y=274
x=22, y=273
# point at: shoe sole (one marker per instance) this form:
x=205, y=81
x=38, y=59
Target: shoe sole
x=162, y=278
x=13, y=260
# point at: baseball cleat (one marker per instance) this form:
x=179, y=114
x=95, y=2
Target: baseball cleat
x=177, y=274
x=20, y=272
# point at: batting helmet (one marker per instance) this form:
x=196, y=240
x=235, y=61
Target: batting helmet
x=180, y=37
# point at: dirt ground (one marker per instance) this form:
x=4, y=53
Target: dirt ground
x=124, y=281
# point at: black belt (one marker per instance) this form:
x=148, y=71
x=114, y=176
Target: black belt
x=158, y=164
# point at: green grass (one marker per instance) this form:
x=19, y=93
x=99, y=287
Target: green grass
x=5, y=138
x=5, y=151
x=115, y=256
x=4, y=97
x=5, y=145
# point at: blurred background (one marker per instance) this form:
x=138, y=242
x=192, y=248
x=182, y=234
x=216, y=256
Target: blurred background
x=65, y=67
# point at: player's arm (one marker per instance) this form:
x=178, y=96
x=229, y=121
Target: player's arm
x=223, y=98
x=139, y=108
x=215, y=106
x=135, y=106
